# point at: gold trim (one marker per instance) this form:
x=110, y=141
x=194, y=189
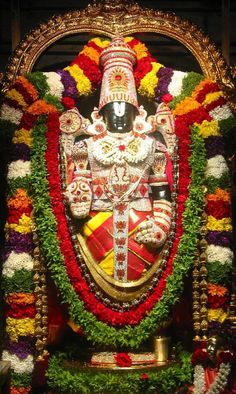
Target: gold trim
x=110, y=285
x=122, y=18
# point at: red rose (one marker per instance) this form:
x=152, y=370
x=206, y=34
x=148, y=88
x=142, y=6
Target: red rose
x=144, y=376
x=123, y=360
x=167, y=98
x=68, y=102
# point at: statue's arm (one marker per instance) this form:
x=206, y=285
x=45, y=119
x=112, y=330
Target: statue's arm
x=78, y=194
x=156, y=229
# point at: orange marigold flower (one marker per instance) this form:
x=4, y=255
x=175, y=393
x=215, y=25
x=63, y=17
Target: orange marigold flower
x=217, y=290
x=219, y=194
x=20, y=200
x=29, y=87
x=91, y=53
x=41, y=107
x=185, y=106
x=20, y=298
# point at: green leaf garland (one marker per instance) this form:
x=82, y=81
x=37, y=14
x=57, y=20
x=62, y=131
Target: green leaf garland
x=95, y=330
x=163, y=381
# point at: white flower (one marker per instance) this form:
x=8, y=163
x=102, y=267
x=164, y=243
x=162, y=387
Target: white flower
x=217, y=386
x=219, y=253
x=18, y=365
x=54, y=83
x=19, y=168
x=199, y=380
x=176, y=83
x=17, y=261
x=221, y=112
x=216, y=166
x=12, y=114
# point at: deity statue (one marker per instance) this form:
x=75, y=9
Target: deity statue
x=119, y=175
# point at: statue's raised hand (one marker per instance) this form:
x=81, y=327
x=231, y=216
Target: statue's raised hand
x=150, y=233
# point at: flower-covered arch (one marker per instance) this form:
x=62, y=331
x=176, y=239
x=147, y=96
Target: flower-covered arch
x=31, y=109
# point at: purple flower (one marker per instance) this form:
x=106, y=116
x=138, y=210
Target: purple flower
x=221, y=238
x=69, y=84
x=214, y=146
x=164, y=75
x=21, y=348
x=20, y=152
x=18, y=243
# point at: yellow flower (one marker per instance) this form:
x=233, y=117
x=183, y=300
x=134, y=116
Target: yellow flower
x=217, y=315
x=128, y=39
x=207, y=128
x=185, y=106
x=217, y=290
x=140, y=50
x=100, y=43
x=16, y=328
x=149, y=82
x=224, y=224
x=25, y=225
x=91, y=53
x=210, y=97
x=23, y=136
x=13, y=94
x=83, y=84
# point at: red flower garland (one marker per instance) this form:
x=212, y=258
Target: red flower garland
x=21, y=311
x=218, y=209
x=134, y=315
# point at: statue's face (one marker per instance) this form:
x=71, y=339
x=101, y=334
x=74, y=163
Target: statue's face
x=119, y=116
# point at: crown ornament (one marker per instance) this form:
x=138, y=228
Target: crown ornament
x=118, y=84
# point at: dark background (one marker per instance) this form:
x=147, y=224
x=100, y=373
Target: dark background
x=215, y=18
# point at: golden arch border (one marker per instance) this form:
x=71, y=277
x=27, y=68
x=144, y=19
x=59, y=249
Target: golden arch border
x=122, y=19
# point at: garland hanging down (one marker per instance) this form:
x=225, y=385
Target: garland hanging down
x=31, y=109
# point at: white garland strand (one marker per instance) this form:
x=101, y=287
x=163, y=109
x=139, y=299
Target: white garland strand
x=19, y=168
x=12, y=114
x=219, y=253
x=216, y=167
x=18, y=365
x=199, y=380
x=54, y=82
x=17, y=261
x=221, y=112
x=175, y=86
x=219, y=383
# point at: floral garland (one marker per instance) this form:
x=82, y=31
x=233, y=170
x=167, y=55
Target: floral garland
x=68, y=380
x=201, y=360
x=194, y=102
